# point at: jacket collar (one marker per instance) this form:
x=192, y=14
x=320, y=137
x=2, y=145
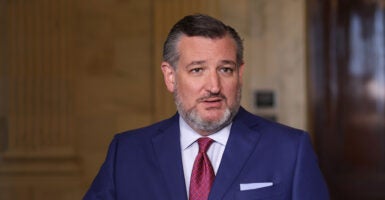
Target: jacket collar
x=168, y=151
x=240, y=145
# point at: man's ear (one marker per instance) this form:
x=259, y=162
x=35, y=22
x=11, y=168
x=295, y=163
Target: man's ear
x=169, y=76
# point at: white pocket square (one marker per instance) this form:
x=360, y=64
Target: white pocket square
x=253, y=186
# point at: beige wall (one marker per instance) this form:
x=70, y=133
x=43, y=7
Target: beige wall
x=75, y=72
x=276, y=56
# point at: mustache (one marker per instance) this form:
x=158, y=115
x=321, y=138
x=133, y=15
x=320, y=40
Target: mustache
x=212, y=95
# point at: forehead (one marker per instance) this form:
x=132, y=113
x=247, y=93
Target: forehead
x=207, y=47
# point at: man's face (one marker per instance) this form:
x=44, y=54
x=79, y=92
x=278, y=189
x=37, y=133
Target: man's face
x=206, y=83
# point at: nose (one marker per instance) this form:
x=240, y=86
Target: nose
x=214, y=83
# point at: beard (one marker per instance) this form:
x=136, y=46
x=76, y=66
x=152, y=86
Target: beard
x=193, y=119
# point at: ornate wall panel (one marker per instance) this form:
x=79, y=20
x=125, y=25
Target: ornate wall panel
x=37, y=148
x=38, y=68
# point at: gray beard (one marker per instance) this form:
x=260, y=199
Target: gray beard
x=193, y=119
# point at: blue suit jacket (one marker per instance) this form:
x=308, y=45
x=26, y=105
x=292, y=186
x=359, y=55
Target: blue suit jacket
x=146, y=164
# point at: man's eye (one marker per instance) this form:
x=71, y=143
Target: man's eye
x=196, y=70
x=227, y=70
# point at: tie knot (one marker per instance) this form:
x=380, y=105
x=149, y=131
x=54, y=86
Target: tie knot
x=204, y=144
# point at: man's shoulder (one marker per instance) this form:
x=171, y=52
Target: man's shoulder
x=150, y=130
x=268, y=126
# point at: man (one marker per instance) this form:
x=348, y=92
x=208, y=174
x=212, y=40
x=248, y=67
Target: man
x=212, y=148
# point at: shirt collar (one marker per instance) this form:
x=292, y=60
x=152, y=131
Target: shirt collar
x=189, y=136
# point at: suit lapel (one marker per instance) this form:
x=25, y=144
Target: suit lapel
x=241, y=143
x=167, y=149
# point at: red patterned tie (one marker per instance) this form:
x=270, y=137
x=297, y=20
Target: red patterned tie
x=202, y=176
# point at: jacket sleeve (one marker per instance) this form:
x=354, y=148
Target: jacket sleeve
x=103, y=186
x=308, y=182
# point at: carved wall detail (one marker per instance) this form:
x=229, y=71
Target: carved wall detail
x=38, y=92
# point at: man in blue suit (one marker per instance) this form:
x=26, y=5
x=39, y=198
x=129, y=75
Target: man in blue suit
x=249, y=157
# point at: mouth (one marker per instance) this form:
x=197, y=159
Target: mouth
x=212, y=102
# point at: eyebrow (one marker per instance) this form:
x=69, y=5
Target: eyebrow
x=228, y=62
x=199, y=62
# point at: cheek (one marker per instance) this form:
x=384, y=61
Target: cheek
x=231, y=93
x=189, y=87
x=188, y=91
x=231, y=88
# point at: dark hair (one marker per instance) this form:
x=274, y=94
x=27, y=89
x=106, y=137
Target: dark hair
x=198, y=25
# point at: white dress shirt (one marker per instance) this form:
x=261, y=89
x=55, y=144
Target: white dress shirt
x=190, y=148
